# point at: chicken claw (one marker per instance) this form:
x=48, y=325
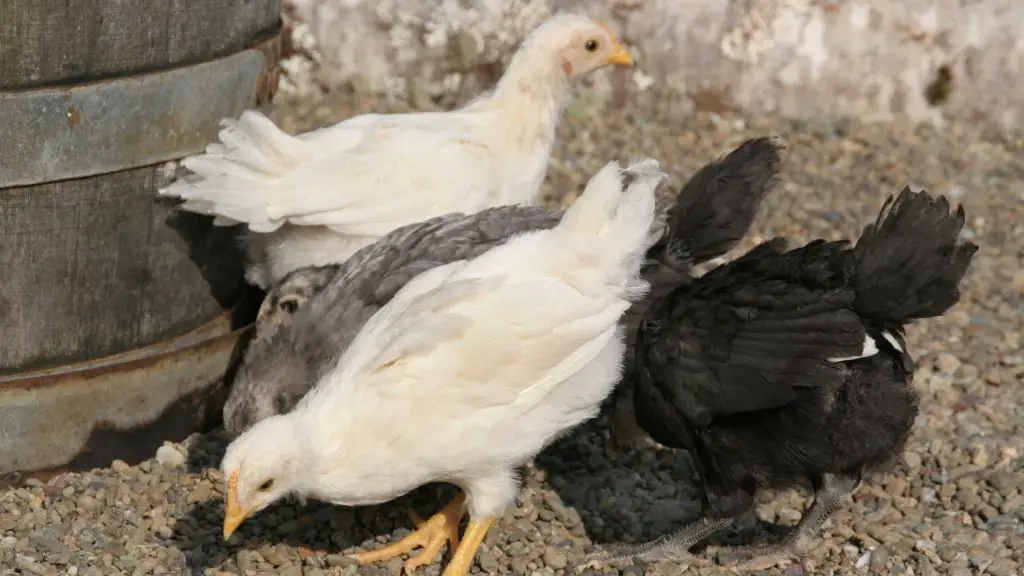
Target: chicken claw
x=782, y=557
x=764, y=557
x=430, y=534
x=827, y=498
x=462, y=561
x=673, y=547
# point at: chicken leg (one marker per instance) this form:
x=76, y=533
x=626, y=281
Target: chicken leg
x=430, y=534
x=673, y=547
x=827, y=498
x=463, y=559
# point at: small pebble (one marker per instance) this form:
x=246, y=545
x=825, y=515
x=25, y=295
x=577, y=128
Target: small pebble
x=169, y=456
x=554, y=558
x=948, y=362
x=913, y=460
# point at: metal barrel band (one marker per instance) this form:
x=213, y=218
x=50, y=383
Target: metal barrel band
x=110, y=407
x=69, y=132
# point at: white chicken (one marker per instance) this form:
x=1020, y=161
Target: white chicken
x=467, y=373
x=316, y=198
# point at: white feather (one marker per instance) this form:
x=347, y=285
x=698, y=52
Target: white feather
x=316, y=198
x=893, y=341
x=870, y=349
x=475, y=366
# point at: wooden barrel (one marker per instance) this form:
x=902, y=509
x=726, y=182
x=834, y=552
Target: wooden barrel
x=114, y=308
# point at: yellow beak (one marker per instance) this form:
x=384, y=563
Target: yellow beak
x=233, y=513
x=619, y=53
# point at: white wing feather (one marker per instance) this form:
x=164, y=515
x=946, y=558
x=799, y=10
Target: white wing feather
x=388, y=181
x=366, y=345
x=467, y=340
x=512, y=324
x=364, y=176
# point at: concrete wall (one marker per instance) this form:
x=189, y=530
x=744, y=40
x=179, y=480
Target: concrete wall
x=884, y=60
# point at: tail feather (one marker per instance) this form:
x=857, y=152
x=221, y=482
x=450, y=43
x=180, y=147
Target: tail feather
x=233, y=177
x=589, y=213
x=254, y=140
x=619, y=223
x=718, y=204
x=910, y=261
x=605, y=210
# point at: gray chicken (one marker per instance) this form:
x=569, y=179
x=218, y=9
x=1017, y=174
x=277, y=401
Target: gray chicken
x=288, y=295
x=310, y=318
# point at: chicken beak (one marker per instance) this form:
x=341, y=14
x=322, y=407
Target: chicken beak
x=233, y=513
x=619, y=53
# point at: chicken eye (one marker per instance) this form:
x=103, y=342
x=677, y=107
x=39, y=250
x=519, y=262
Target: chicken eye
x=267, y=485
x=282, y=403
x=591, y=45
x=289, y=306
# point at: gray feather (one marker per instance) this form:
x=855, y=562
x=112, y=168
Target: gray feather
x=291, y=351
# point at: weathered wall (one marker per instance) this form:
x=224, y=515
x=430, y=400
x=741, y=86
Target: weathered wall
x=874, y=59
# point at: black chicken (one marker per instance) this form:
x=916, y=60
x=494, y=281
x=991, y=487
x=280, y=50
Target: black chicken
x=787, y=366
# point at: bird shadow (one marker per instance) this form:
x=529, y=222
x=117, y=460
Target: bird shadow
x=307, y=532
x=312, y=531
x=636, y=493
x=216, y=252
x=218, y=255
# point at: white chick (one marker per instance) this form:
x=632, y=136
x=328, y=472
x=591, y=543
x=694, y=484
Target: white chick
x=316, y=198
x=467, y=373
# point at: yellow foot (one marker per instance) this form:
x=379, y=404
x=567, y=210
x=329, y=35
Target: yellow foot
x=453, y=536
x=462, y=560
x=430, y=534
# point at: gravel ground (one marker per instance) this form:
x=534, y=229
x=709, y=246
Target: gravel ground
x=953, y=504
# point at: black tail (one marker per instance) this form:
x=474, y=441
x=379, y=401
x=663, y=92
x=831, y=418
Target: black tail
x=717, y=205
x=909, y=263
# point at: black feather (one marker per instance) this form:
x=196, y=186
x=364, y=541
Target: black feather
x=717, y=205
x=735, y=366
x=712, y=213
x=909, y=261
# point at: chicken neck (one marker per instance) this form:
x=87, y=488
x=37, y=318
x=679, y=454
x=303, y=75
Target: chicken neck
x=528, y=101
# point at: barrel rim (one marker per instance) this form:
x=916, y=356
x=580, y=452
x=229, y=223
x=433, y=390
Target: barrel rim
x=209, y=334
x=155, y=41
x=104, y=126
